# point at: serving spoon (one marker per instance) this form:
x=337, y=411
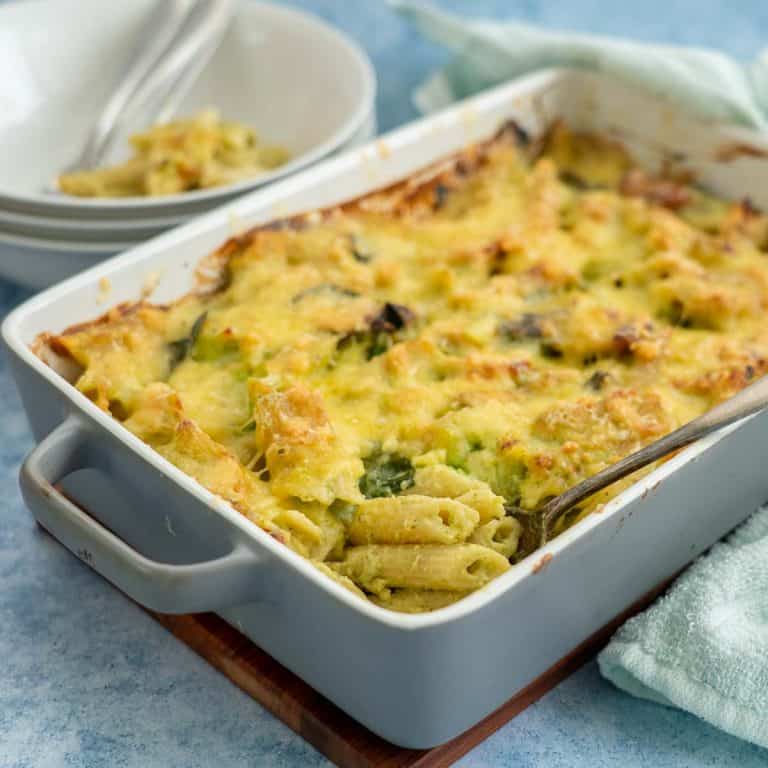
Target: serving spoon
x=750, y=400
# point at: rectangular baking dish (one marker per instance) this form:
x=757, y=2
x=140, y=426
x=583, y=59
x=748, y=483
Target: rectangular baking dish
x=416, y=680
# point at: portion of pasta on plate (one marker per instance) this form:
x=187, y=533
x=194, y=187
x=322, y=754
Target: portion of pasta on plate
x=168, y=159
x=379, y=384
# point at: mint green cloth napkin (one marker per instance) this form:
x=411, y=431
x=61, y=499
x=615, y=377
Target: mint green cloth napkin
x=706, y=82
x=704, y=646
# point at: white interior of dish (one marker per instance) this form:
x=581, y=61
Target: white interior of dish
x=650, y=126
x=291, y=77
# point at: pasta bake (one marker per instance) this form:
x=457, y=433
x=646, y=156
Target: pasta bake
x=196, y=153
x=379, y=385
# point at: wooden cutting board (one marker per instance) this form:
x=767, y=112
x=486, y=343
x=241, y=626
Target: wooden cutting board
x=340, y=738
x=322, y=724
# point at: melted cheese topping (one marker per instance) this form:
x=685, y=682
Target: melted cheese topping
x=490, y=333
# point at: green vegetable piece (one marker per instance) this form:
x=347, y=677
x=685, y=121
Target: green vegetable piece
x=675, y=315
x=181, y=348
x=343, y=510
x=213, y=348
x=380, y=343
x=383, y=330
x=386, y=474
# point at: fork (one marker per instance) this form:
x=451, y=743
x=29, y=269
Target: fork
x=184, y=35
x=749, y=401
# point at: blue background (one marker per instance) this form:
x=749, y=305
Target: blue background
x=86, y=679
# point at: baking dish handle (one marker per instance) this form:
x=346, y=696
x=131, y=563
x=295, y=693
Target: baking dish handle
x=204, y=586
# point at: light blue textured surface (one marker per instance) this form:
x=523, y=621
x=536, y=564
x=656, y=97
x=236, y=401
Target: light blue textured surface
x=86, y=679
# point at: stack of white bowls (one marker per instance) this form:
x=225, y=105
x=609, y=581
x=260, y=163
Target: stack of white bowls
x=297, y=81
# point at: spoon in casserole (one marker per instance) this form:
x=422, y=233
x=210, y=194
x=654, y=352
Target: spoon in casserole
x=542, y=521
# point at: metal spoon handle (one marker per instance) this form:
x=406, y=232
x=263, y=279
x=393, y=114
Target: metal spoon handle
x=166, y=20
x=750, y=400
x=178, y=71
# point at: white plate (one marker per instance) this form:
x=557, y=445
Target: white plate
x=296, y=80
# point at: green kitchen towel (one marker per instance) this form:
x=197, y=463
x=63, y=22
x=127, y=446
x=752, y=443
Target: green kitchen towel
x=703, y=647
x=707, y=83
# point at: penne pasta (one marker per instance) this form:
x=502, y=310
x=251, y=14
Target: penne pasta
x=456, y=568
x=331, y=543
x=442, y=481
x=417, y=600
x=304, y=534
x=337, y=577
x=304, y=456
x=502, y=536
x=411, y=520
x=485, y=502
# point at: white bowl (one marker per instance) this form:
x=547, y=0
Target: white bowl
x=295, y=79
x=37, y=224
x=74, y=224
x=38, y=263
x=64, y=230
x=76, y=228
